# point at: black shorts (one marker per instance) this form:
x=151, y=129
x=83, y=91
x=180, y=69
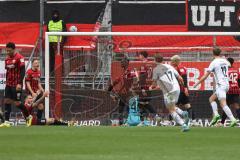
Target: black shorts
x=183, y=99
x=10, y=92
x=232, y=98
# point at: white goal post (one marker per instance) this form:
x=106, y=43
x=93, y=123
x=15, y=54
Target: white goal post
x=47, y=34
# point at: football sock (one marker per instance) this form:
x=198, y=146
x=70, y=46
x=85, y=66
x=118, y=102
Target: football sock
x=179, y=111
x=224, y=117
x=8, y=109
x=238, y=113
x=39, y=114
x=228, y=113
x=191, y=113
x=1, y=117
x=177, y=118
x=214, y=108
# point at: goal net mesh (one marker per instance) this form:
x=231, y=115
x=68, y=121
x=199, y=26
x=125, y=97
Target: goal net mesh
x=89, y=63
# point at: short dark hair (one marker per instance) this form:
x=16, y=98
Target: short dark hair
x=158, y=58
x=230, y=60
x=144, y=54
x=10, y=45
x=124, y=61
x=35, y=59
x=217, y=51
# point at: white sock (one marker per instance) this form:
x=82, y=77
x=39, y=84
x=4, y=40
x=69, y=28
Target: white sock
x=179, y=111
x=214, y=108
x=177, y=118
x=228, y=113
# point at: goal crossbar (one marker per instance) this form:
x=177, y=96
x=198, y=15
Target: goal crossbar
x=143, y=33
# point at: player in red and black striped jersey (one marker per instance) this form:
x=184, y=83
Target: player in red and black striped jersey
x=145, y=81
x=234, y=89
x=32, y=79
x=31, y=103
x=184, y=95
x=15, y=66
x=120, y=87
x=33, y=84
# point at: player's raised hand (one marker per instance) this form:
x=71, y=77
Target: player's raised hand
x=46, y=94
x=34, y=95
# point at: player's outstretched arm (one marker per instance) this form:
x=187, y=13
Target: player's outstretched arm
x=202, y=79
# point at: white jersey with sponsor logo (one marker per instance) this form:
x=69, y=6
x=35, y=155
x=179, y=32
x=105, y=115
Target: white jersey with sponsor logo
x=219, y=67
x=165, y=75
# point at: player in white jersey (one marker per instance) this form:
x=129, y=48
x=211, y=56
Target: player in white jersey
x=166, y=77
x=219, y=67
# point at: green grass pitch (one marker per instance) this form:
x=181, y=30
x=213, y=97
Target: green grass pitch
x=119, y=143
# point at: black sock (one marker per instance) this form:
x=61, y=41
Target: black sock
x=191, y=113
x=23, y=110
x=8, y=109
x=59, y=123
x=238, y=113
x=224, y=117
x=1, y=117
x=39, y=115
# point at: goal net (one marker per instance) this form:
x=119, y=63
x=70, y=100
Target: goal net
x=90, y=61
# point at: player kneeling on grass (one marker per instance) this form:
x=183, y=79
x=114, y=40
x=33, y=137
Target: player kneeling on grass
x=219, y=67
x=134, y=115
x=31, y=103
x=166, y=77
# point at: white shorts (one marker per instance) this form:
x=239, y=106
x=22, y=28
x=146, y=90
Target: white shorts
x=171, y=98
x=221, y=92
